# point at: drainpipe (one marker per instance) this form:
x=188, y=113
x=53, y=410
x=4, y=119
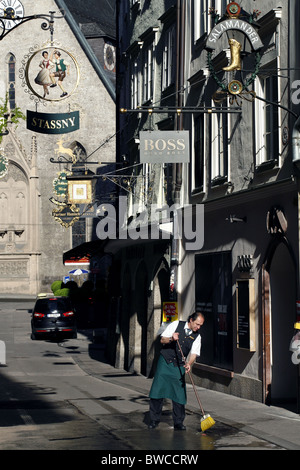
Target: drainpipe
x=180, y=69
x=177, y=168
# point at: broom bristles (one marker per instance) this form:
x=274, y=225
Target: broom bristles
x=207, y=422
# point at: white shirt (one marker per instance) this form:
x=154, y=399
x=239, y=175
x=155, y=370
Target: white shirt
x=171, y=328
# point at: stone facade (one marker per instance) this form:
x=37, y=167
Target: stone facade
x=241, y=170
x=32, y=243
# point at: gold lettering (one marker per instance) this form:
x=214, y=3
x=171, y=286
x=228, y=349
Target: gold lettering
x=149, y=145
x=157, y=146
x=171, y=144
x=180, y=144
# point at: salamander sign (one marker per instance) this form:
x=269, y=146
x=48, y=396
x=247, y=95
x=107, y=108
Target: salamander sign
x=61, y=123
x=237, y=79
x=235, y=24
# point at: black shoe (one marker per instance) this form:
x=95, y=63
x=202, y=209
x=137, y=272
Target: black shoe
x=53, y=85
x=179, y=427
x=153, y=424
x=64, y=94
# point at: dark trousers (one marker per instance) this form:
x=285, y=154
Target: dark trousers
x=156, y=405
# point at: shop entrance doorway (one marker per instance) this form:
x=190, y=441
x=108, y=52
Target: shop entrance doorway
x=283, y=303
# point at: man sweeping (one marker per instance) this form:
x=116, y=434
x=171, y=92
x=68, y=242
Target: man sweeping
x=169, y=379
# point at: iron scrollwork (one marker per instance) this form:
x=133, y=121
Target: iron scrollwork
x=47, y=24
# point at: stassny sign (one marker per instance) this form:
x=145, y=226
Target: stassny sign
x=164, y=147
x=61, y=123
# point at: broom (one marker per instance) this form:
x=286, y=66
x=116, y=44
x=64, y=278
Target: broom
x=206, y=421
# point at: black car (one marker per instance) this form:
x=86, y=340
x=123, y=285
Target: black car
x=53, y=316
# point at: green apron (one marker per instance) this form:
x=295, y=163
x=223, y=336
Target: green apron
x=169, y=382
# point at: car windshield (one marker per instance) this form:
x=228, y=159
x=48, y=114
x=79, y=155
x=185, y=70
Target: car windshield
x=50, y=305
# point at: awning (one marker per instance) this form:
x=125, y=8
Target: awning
x=162, y=235
x=82, y=254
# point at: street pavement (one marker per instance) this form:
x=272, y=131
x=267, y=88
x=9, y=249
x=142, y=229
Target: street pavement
x=277, y=426
x=112, y=404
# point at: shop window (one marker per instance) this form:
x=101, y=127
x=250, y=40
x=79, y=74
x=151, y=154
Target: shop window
x=148, y=71
x=202, y=17
x=219, y=148
x=199, y=152
x=213, y=291
x=267, y=121
x=79, y=232
x=168, y=74
x=134, y=79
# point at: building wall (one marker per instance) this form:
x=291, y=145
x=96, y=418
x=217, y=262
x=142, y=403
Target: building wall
x=248, y=191
x=46, y=239
x=243, y=376
x=239, y=197
x=144, y=278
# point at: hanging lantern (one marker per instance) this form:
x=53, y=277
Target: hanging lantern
x=81, y=187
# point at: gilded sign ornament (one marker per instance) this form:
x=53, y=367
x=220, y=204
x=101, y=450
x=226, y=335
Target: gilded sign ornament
x=60, y=184
x=234, y=82
x=66, y=215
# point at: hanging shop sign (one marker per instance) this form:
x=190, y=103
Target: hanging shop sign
x=246, y=320
x=66, y=215
x=59, y=123
x=60, y=184
x=80, y=192
x=50, y=73
x=233, y=24
x=232, y=80
x=164, y=147
x=170, y=311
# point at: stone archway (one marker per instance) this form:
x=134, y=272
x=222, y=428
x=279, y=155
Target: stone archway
x=138, y=322
x=122, y=348
x=160, y=293
x=279, y=304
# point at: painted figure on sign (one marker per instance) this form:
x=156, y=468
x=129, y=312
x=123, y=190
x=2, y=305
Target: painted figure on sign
x=43, y=77
x=61, y=69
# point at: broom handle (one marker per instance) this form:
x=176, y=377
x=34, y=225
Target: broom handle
x=191, y=378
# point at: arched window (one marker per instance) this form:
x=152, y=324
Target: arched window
x=11, y=81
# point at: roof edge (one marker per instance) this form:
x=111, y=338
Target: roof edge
x=87, y=48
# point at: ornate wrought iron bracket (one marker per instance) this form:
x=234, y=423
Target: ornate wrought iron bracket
x=63, y=159
x=47, y=24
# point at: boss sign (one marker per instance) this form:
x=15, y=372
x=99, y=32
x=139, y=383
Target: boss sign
x=164, y=147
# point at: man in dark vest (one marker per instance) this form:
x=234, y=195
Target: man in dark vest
x=169, y=379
